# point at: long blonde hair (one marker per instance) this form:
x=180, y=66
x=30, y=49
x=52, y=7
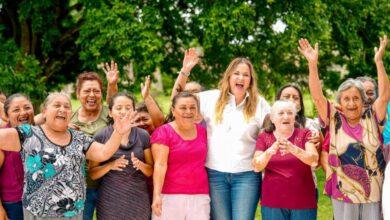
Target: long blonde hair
x=223, y=85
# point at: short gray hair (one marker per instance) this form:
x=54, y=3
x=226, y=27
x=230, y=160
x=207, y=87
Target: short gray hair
x=53, y=95
x=351, y=83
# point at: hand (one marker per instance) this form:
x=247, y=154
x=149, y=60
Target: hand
x=190, y=60
x=285, y=146
x=123, y=124
x=310, y=53
x=381, y=51
x=119, y=163
x=112, y=73
x=3, y=214
x=145, y=88
x=315, y=138
x=273, y=149
x=157, y=205
x=136, y=163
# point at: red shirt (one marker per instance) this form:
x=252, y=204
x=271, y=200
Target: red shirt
x=288, y=182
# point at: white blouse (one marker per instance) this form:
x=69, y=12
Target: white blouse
x=231, y=143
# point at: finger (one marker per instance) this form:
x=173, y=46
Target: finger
x=316, y=47
x=142, y=85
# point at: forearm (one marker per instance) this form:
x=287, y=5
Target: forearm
x=383, y=81
x=309, y=158
x=316, y=93
x=112, y=89
x=99, y=171
x=158, y=178
x=180, y=83
x=154, y=111
x=146, y=169
x=261, y=161
x=108, y=149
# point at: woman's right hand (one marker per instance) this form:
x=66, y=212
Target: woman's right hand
x=273, y=149
x=119, y=163
x=157, y=205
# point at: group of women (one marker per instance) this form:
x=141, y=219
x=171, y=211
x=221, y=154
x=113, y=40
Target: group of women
x=215, y=156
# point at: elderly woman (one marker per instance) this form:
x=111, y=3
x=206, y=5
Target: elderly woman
x=181, y=189
x=54, y=158
x=233, y=115
x=286, y=155
x=19, y=110
x=354, y=164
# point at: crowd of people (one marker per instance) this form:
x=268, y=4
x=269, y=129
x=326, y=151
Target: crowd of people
x=217, y=155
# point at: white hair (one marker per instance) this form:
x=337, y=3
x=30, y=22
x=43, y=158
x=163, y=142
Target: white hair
x=53, y=95
x=282, y=104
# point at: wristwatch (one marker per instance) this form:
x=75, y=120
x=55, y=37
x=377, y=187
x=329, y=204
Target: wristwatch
x=184, y=74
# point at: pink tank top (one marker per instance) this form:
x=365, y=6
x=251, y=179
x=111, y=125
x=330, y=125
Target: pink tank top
x=11, y=177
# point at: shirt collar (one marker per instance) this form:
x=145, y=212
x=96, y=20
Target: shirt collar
x=233, y=99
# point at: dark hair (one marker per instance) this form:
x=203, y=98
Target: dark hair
x=300, y=117
x=141, y=107
x=9, y=100
x=179, y=95
x=88, y=76
x=112, y=102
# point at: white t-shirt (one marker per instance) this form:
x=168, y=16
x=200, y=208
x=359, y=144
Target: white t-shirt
x=231, y=143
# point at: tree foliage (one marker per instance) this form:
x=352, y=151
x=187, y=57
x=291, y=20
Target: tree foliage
x=45, y=44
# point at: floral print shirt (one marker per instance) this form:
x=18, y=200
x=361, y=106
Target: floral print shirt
x=356, y=162
x=54, y=183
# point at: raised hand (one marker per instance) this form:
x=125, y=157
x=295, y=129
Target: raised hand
x=310, y=53
x=381, y=51
x=145, y=87
x=111, y=71
x=191, y=58
x=119, y=163
x=123, y=124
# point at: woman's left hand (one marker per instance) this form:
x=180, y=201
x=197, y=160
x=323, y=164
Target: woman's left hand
x=315, y=138
x=111, y=71
x=381, y=51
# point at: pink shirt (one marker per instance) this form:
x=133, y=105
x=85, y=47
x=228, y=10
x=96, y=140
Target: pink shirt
x=186, y=172
x=288, y=182
x=11, y=177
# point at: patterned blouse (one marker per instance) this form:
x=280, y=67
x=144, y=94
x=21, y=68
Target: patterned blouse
x=356, y=162
x=54, y=183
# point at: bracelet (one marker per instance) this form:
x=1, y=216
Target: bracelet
x=184, y=74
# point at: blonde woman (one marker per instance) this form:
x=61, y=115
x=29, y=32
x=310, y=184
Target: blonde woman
x=233, y=114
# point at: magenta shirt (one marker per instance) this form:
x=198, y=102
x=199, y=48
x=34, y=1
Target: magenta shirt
x=288, y=182
x=186, y=172
x=11, y=177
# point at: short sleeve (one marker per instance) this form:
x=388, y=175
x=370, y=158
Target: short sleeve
x=100, y=137
x=330, y=110
x=145, y=138
x=261, y=143
x=160, y=136
x=86, y=141
x=24, y=132
x=306, y=136
x=326, y=143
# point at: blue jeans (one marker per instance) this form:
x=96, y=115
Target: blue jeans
x=234, y=196
x=288, y=214
x=14, y=210
x=90, y=203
